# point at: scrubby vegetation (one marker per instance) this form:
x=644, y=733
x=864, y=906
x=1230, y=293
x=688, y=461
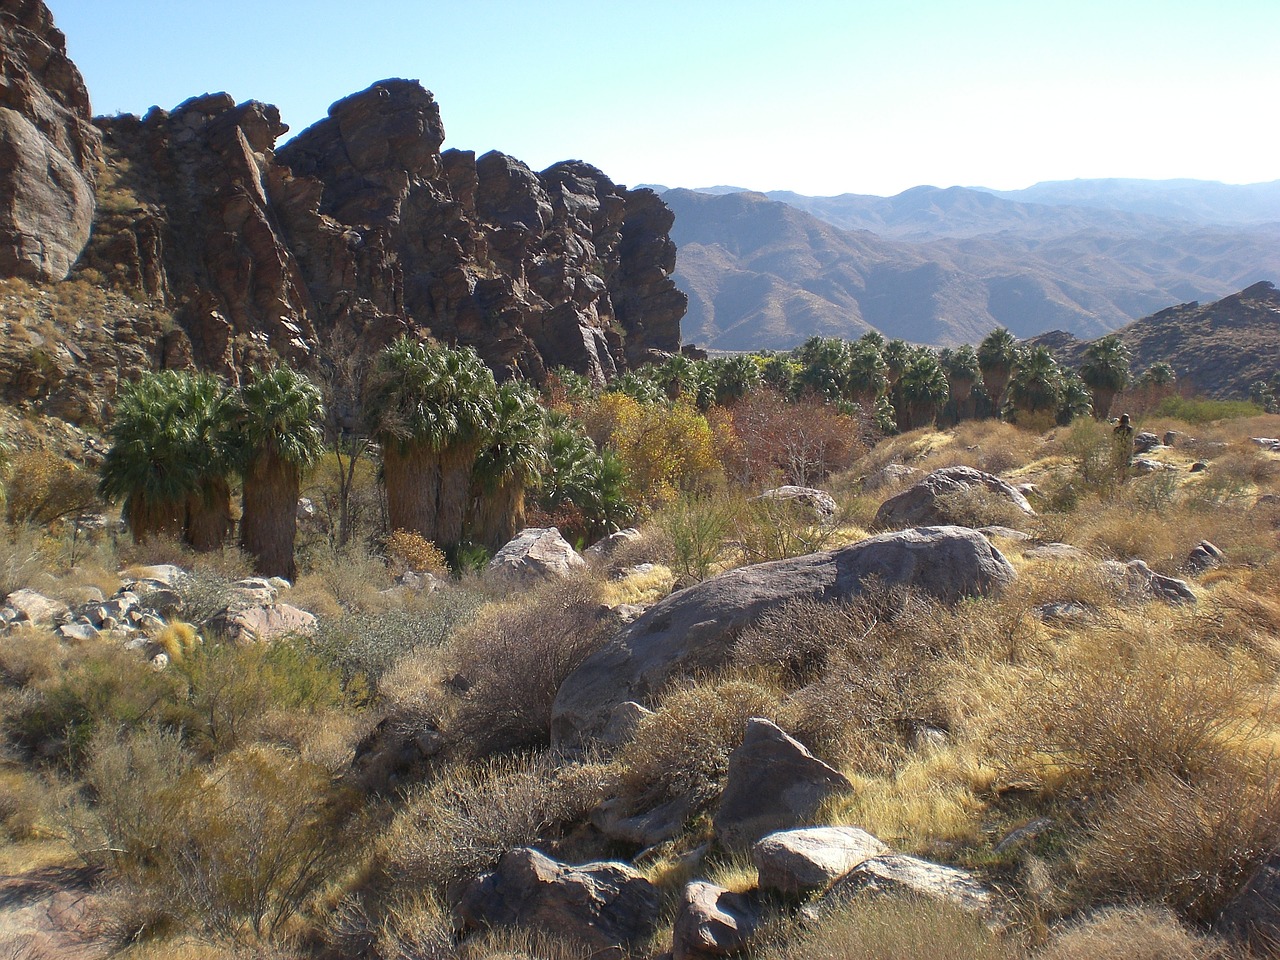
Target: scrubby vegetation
x=333, y=794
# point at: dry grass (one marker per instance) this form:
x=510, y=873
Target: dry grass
x=1131, y=933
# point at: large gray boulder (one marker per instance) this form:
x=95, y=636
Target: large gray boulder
x=923, y=502
x=599, y=905
x=1253, y=914
x=712, y=922
x=898, y=874
x=695, y=629
x=774, y=783
x=534, y=555
x=262, y=623
x=799, y=861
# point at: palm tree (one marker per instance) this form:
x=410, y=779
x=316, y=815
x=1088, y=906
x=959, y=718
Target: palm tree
x=432, y=407
x=1105, y=372
x=923, y=386
x=867, y=377
x=171, y=456
x=825, y=367
x=280, y=434
x=735, y=377
x=1159, y=374
x=1074, y=399
x=514, y=458
x=1035, y=384
x=963, y=372
x=995, y=361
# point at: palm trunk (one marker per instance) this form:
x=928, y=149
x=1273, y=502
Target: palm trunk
x=209, y=515
x=1103, y=398
x=498, y=516
x=153, y=518
x=412, y=479
x=455, y=489
x=269, y=522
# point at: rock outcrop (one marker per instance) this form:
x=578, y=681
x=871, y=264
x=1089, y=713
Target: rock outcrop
x=49, y=150
x=926, y=501
x=799, y=861
x=362, y=224
x=694, y=630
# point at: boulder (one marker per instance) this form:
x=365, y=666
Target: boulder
x=890, y=475
x=799, y=861
x=695, y=629
x=898, y=874
x=819, y=504
x=774, y=783
x=1204, y=556
x=1144, y=442
x=712, y=922
x=1267, y=443
x=1140, y=580
x=599, y=905
x=255, y=591
x=35, y=608
x=155, y=577
x=645, y=829
x=1199, y=466
x=1172, y=437
x=536, y=554
x=922, y=502
x=1252, y=916
x=262, y=623
x=603, y=549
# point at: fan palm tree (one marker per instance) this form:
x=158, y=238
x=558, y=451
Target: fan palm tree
x=1035, y=385
x=514, y=458
x=171, y=456
x=1105, y=372
x=995, y=361
x=279, y=428
x=1074, y=399
x=867, y=377
x=963, y=373
x=924, y=388
x=1159, y=374
x=432, y=407
x=824, y=367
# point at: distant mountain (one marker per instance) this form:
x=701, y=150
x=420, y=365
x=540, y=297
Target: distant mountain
x=1220, y=348
x=764, y=274
x=1196, y=201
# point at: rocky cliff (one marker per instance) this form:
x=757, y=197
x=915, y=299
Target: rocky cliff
x=48, y=147
x=359, y=226
x=362, y=222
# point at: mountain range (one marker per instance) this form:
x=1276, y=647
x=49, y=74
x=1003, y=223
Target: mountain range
x=944, y=266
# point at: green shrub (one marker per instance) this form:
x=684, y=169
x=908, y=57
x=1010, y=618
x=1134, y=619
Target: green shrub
x=1201, y=410
x=694, y=529
x=777, y=529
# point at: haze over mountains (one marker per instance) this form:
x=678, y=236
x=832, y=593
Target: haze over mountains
x=944, y=266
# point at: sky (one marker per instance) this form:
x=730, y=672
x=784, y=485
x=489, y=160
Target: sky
x=816, y=96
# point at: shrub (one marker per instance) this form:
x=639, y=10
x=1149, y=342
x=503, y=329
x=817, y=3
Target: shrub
x=682, y=749
x=694, y=531
x=44, y=487
x=800, y=442
x=410, y=550
x=977, y=506
x=1131, y=933
x=512, y=660
x=1201, y=410
x=21, y=558
x=338, y=580
x=770, y=529
x=452, y=829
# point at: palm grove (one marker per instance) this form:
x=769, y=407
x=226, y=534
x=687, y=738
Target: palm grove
x=460, y=454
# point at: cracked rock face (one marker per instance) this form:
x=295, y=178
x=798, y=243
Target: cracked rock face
x=48, y=148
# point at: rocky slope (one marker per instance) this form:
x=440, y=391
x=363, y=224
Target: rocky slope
x=48, y=147
x=360, y=226
x=1218, y=348
x=940, y=266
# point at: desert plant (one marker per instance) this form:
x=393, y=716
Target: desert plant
x=1131, y=933
x=773, y=529
x=1105, y=371
x=44, y=487
x=512, y=460
x=996, y=354
x=694, y=528
x=278, y=431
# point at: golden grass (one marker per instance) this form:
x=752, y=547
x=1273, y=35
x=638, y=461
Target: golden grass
x=639, y=588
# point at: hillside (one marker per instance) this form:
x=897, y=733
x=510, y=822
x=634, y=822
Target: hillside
x=764, y=274
x=1218, y=348
x=1200, y=201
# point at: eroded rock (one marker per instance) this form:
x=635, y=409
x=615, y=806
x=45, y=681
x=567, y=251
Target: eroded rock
x=799, y=861
x=924, y=502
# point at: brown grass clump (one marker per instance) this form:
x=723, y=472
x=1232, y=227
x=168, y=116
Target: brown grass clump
x=885, y=928
x=987, y=445
x=408, y=550
x=682, y=749
x=1131, y=933
x=452, y=829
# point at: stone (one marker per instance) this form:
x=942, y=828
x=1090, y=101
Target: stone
x=1004, y=533
x=535, y=555
x=1023, y=834
x=258, y=624
x=623, y=721
x=796, y=862
x=139, y=579
x=898, y=874
x=78, y=631
x=599, y=905
x=1140, y=580
x=1204, y=556
x=1144, y=465
x=1144, y=442
x=891, y=475
x=645, y=829
x=1054, y=551
x=818, y=504
x=1199, y=466
x=1172, y=437
x=924, y=502
x=773, y=783
x=279, y=583
x=255, y=591
x=712, y=922
x=1252, y=916
x=1064, y=611
x=35, y=608
x=694, y=629
x=605, y=548
x=1267, y=443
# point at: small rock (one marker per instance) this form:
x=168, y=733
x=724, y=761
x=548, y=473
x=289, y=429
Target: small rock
x=623, y=720
x=901, y=874
x=712, y=922
x=1267, y=443
x=889, y=476
x=799, y=861
x=817, y=503
x=603, y=549
x=1020, y=835
x=1199, y=466
x=280, y=583
x=161, y=575
x=1005, y=533
x=1144, y=442
x=255, y=591
x=1171, y=438
x=773, y=783
x=1064, y=611
x=78, y=631
x=35, y=608
x=1141, y=580
x=535, y=554
x=1204, y=556
x=647, y=829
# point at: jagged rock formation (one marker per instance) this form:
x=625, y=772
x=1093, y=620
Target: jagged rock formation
x=48, y=147
x=361, y=222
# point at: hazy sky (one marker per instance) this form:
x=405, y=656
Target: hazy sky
x=863, y=96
